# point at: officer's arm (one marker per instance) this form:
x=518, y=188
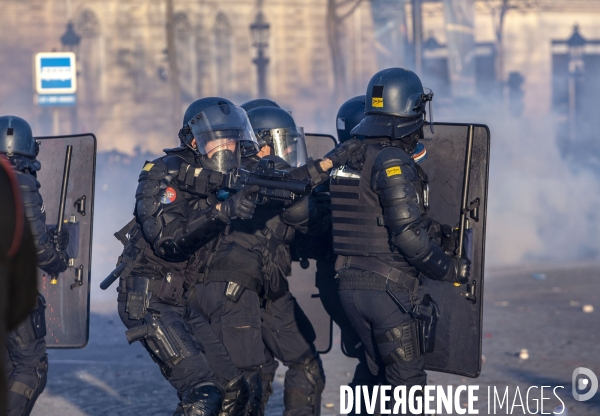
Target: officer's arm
x=307, y=216
x=168, y=224
x=199, y=181
x=49, y=259
x=395, y=179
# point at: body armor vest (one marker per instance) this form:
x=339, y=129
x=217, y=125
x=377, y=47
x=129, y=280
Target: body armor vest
x=357, y=215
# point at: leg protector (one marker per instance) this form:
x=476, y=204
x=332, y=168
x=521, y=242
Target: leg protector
x=23, y=394
x=202, y=400
x=236, y=397
x=168, y=345
x=297, y=399
x=256, y=394
x=408, y=337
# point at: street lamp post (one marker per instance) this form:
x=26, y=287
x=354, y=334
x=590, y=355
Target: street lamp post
x=70, y=42
x=576, y=44
x=70, y=39
x=259, y=30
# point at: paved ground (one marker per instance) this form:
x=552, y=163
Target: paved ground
x=544, y=315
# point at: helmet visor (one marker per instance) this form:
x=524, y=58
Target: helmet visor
x=221, y=127
x=289, y=144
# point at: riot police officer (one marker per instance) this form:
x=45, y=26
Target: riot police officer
x=349, y=115
x=245, y=293
x=24, y=353
x=169, y=242
x=287, y=333
x=379, y=229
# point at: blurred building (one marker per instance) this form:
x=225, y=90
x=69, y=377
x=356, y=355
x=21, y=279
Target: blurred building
x=526, y=48
x=123, y=70
x=124, y=83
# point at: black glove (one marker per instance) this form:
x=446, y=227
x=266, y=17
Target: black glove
x=341, y=154
x=312, y=171
x=462, y=270
x=449, y=241
x=239, y=205
x=60, y=241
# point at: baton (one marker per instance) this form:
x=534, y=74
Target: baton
x=465, y=193
x=114, y=275
x=63, y=199
x=63, y=190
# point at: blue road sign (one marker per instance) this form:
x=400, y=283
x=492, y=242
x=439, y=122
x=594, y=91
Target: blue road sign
x=55, y=73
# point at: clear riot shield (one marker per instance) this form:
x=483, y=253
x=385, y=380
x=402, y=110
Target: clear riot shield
x=457, y=165
x=302, y=281
x=67, y=174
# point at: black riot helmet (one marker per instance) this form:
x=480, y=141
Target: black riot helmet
x=277, y=128
x=259, y=102
x=214, y=128
x=348, y=116
x=16, y=137
x=395, y=106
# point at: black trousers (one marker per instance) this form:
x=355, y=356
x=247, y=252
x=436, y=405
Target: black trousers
x=237, y=324
x=372, y=313
x=200, y=338
x=255, y=335
x=289, y=336
x=26, y=367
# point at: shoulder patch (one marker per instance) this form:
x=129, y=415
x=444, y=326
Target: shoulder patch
x=148, y=166
x=169, y=196
x=393, y=171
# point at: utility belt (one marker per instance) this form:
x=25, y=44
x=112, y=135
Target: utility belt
x=402, y=279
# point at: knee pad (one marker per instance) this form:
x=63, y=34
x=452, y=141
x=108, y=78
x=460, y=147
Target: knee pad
x=31, y=391
x=236, y=397
x=202, y=400
x=407, y=335
x=256, y=393
x=312, y=368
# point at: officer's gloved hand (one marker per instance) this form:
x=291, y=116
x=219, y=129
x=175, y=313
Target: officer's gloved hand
x=317, y=171
x=342, y=153
x=60, y=240
x=450, y=239
x=462, y=270
x=239, y=205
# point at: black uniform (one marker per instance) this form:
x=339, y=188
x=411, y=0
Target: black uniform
x=380, y=233
x=165, y=247
x=25, y=351
x=320, y=248
x=252, y=264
